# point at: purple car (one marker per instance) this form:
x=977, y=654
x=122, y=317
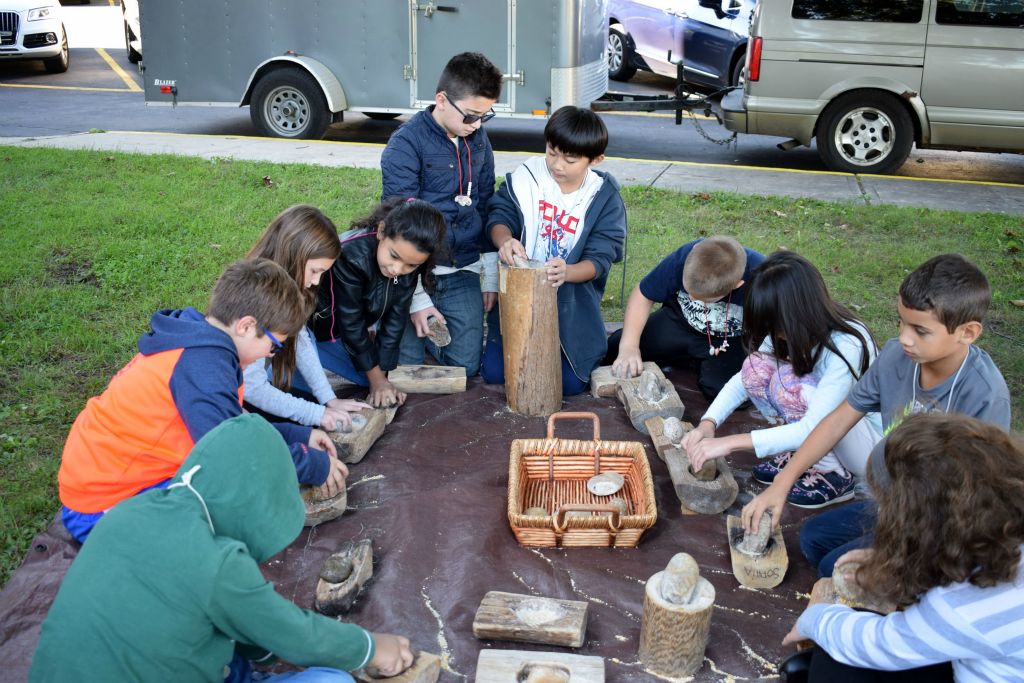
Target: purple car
x=709, y=36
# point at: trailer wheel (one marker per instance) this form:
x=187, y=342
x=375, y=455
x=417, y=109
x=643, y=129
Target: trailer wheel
x=288, y=103
x=865, y=132
x=381, y=115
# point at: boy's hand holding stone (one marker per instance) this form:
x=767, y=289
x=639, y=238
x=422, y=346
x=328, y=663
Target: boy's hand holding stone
x=335, y=483
x=391, y=656
x=509, y=249
x=555, y=269
x=318, y=439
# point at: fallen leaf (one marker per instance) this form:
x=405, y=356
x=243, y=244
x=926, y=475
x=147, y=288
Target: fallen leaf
x=778, y=213
x=1019, y=303
x=702, y=196
x=267, y=182
x=834, y=268
x=108, y=158
x=857, y=307
x=214, y=246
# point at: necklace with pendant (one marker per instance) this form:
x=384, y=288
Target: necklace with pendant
x=712, y=349
x=464, y=199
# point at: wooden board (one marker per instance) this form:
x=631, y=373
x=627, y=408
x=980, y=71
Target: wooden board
x=320, y=509
x=333, y=599
x=426, y=668
x=640, y=410
x=353, y=446
x=428, y=379
x=505, y=666
x=655, y=429
x=529, y=332
x=530, y=619
x=603, y=382
x=763, y=571
x=707, y=497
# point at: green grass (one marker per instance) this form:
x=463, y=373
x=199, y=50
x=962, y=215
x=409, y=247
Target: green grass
x=95, y=242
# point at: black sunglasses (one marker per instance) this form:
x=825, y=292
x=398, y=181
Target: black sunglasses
x=469, y=119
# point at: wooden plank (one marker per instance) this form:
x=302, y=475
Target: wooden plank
x=704, y=496
x=603, y=382
x=352, y=446
x=757, y=571
x=530, y=619
x=426, y=668
x=519, y=666
x=428, y=379
x=337, y=597
x=665, y=402
x=655, y=429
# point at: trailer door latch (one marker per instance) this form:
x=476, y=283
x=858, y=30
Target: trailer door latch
x=429, y=9
x=519, y=77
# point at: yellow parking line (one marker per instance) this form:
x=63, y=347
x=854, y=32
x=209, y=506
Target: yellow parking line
x=64, y=87
x=116, y=68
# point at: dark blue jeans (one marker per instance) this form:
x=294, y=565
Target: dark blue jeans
x=460, y=301
x=335, y=358
x=825, y=537
x=492, y=368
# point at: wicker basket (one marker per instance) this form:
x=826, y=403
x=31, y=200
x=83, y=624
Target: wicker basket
x=552, y=473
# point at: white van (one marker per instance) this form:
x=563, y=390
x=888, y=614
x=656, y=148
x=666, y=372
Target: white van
x=870, y=78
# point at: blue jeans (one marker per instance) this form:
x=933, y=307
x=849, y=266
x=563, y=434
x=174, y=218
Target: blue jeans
x=492, y=369
x=334, y=357
x=241, y=672
x=80, y=524
x=824, y=538
x=460, y=301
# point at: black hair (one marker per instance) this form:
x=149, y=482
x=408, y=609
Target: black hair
x=576, y=131
x=787, y=301
x=418, y=222
x=470, y=74
x=950, y=286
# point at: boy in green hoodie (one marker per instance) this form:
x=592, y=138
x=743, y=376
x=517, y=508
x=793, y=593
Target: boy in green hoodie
x=169, y=581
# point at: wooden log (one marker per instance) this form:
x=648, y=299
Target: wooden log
x=760, y=571
x=320, y=509
x=656, y=430
x=353, y=445
x=426, y=668
x=673, y=636
x=519, y=666
x=334, y=597
x=667, y=403
x=428, y=379
x=603, y=382
x=511, y=616
x=704, y=496
x=529, y=333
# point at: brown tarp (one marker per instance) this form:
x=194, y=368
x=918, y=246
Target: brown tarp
x=431, y=495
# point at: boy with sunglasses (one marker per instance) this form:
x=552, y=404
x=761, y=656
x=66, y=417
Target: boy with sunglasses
x=442, y=156
x=185, y=380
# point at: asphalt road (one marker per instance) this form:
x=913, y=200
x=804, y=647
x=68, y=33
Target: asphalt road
x=102, y=90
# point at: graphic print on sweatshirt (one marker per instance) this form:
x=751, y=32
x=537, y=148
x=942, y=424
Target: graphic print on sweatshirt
x=703, y=317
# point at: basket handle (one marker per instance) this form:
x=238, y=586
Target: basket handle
x=555, y=417
x=613, y=522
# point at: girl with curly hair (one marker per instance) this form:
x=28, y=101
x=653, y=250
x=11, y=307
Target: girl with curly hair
x=946, y=551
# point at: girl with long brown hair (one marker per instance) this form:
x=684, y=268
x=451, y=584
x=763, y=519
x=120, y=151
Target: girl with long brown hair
x=947, y=551
x=305, y=243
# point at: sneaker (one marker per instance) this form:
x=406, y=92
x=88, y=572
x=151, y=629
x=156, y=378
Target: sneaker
x=816, y=489
x=766, y=470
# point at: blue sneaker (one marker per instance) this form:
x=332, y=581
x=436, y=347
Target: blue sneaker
x=816, y=489
x=766, y=470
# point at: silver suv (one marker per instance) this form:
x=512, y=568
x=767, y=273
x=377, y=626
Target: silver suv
x=870, y=78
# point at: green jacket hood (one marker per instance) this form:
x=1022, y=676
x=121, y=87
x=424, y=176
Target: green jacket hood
x=243, y=473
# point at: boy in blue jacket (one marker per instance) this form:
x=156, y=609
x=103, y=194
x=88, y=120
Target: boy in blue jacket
x=442, y=156
x=560, y=210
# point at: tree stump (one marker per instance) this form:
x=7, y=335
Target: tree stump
x=529, y=333
x=673, y=635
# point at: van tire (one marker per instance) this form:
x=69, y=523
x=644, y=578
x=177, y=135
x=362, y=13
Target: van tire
x=133, y=55
x=620, y=56
x=288, y=103
x=865, y=132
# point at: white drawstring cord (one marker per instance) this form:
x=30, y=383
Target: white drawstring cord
x=186, y=481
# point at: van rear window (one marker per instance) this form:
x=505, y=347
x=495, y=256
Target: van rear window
x=981, y=12
x=898, y=12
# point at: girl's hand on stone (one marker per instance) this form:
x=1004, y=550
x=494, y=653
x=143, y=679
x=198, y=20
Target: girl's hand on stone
x=334, y=419
x=704, y=430
x=419, y=320
x=771, y=499
x=385, y=396
x=706, y=449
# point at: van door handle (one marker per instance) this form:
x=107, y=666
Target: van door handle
x=429, y=8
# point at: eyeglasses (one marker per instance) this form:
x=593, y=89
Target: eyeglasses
x=469, y=119
x=275, y=344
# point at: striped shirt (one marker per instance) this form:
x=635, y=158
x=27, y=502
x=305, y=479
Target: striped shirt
x=981, y=630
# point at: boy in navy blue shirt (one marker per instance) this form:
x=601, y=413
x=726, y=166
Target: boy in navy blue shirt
x=701, y=288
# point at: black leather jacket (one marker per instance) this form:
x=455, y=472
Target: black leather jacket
x=355, y=297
